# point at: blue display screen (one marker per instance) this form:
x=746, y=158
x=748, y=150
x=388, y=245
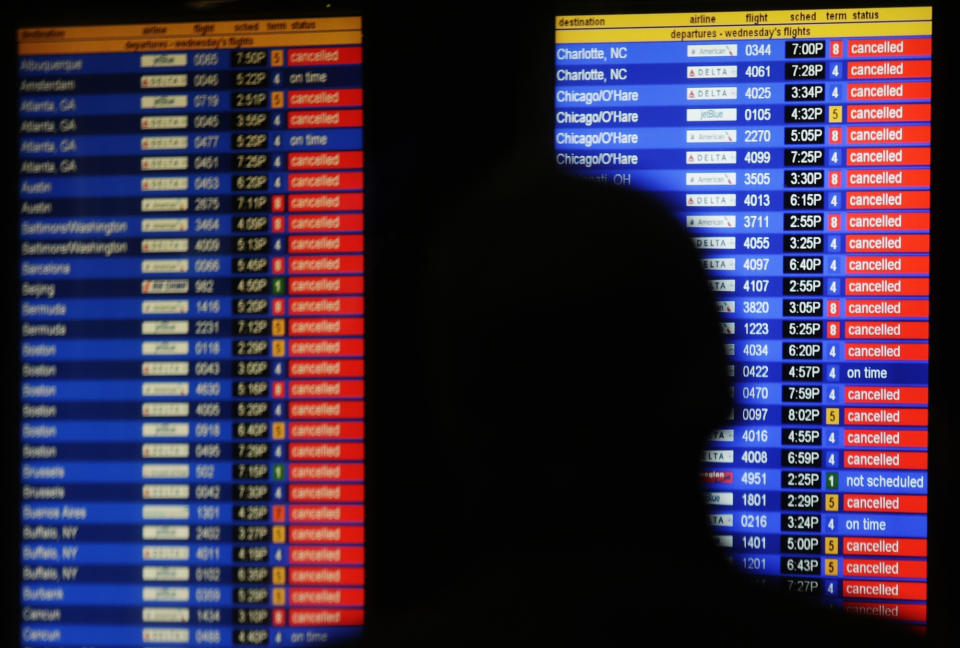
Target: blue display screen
x=192, y=320
x=794, y=146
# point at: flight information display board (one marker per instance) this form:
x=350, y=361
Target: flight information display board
x=795, y=148
x=191, y=276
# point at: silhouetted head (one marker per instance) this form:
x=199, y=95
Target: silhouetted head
x=579, y=352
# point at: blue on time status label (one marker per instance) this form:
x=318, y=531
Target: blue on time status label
x=795, y=148
x=191, y=277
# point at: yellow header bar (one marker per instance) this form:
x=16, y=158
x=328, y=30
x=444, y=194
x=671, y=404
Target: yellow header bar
x=221, y=34
x=726, y=25
x=729, y=18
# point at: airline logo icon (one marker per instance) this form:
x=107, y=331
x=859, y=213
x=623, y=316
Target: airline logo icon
x=712, y=178
x=712, y=93
x=723, y=285
x=718, y=498
x=719, y=264
x=164, y=163
x=711, y=114
x=725, y=435
x=710, y=157
x=725, y=520
x=717, y=456
x=715, y=242
x=149, y=81
x=163, y=60
x=711, y=200
x=164, y=266
x=163, y=101
x=165, y=245
x=164, y=307
x=711, y=51
x=724, y=221
x=721, y=136
x=174, y=183
x=163, y=122
x=711, y=71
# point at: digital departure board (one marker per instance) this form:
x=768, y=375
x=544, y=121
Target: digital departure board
x=795, y=148
x=192, y=353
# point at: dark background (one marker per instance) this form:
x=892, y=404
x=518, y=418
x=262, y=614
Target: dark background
x=451, y=94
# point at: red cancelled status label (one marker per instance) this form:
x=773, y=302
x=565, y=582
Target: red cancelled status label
x=884, y=589
x=314, y=596
x=321, y=285
x=325, y=222
x=885, y=546
x=326, y=472
x=888, y=91
x=919, y=155
x=885, y=416
x=901, y=611
x=333, y=97
x=326, y=430
x=325, y=388
x=326, y=305
x=325, y=160
x=326, y=202
x=322, y=368
x=886, y=438
x=326, y=555
x=326, y=492
x=919, y=287
x=888, y=243
x=348, y=534
x=322, y=617
x=888, y=134
x=325, y=409
x=330, y=264
x=896, y=199
x=330, y=243
x=887, y=308
x=323, y=56
x=884, y=568
x=326, y=326
x=325, y=575
x=889, y=112
x=889, y=69
x=887, y=330
x=332, y=180
x=879, y=459
x=888, y=265
x=889, y=47
x=326, y=513
x=325, y=451
x=885, y=394
x=324, y=118
x=861, y=502
x=886, y=178
x=326, y=347
x=894, y=221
